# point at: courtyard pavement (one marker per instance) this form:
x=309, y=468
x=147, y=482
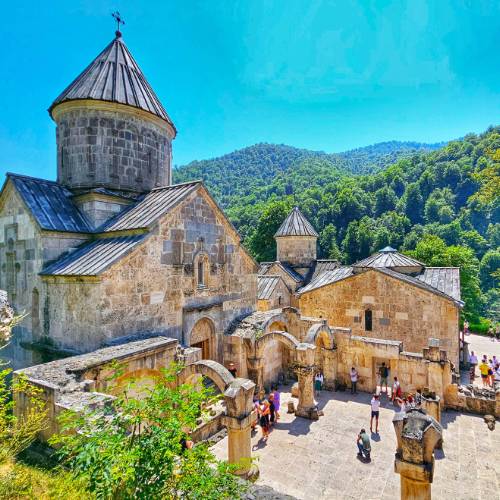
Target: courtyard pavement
x=317, y=460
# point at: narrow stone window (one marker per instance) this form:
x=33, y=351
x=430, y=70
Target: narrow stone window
x=201, y=273
x=368, y=320
x=35, y=311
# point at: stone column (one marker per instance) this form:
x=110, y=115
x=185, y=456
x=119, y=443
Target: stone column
x=305, y=369
x=238, y=419
x=435, y=369
x=417, y=436
x=431, y=403
x=255, y=372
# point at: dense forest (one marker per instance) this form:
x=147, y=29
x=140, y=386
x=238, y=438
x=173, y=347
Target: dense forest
x=440, y=205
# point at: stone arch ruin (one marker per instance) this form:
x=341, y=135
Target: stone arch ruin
x=238, y=398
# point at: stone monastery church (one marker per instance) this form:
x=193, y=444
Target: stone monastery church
x=113, y=251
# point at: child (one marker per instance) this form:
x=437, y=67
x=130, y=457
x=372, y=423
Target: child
x=272, y=409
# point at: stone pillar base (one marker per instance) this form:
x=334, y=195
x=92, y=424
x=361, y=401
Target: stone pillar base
x=251, y=474
x=310, y=413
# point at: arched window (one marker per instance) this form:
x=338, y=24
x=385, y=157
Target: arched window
x=368, y=320
x=201, y=268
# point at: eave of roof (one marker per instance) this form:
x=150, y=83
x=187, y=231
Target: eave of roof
x=94, y=257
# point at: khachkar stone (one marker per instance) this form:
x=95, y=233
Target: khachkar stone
x=305, y=370
x=417, y=436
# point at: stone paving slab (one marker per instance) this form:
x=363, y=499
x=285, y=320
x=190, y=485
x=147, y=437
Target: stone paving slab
x=317, y=460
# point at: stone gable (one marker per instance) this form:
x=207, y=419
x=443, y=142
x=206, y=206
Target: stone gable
x=399, y=311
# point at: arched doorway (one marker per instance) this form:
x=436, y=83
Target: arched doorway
x=203, y=337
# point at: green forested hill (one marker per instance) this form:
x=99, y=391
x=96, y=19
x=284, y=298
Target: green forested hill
x=443, y=206
x=250, y=170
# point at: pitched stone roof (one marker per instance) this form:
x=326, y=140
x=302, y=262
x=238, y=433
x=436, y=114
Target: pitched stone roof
x=296, y=225
x=266, y=286
x=114, y=76
x=93, y=258
x=327, y=278
x=391, y=258
x=150, y=207
x=266, y=266
x=444, y=279
x=50, y=204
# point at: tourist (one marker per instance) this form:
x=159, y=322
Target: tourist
x=318, y=383
x=484, y=368
x=264, y=418
x=396, y=390
x=232, y=369
x=497, y=373
x=364, y=446
x=491, y=369
x=473, y=363
x=497, y=332
x=403, y=405
x=375, y=406
x=277, y=398
x=384, y=374
x=466, y=327
x=354, y=380
x=272, y=409
x=256, y=406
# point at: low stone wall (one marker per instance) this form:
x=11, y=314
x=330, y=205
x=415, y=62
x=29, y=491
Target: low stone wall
x=83, y=381
x=481, y=401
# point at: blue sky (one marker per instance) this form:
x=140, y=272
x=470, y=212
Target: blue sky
x=324, y=75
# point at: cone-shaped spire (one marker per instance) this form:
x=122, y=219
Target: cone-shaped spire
x=114, y=76
x=296, y=224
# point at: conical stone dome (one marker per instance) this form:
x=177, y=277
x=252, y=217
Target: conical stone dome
x=112, y=130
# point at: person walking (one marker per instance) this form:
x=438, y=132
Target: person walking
x=264, y=419
x=484, y=368
x=473, y=363
x=354, y=380
x=491, y=333
x=497, y=332
x=466, y=327
x=318, y=383
x=384, y=373
x=396, y=390
x=364, y=446
x=277, y=399
x=491, y=371
x=272, y=409
x=375, y=407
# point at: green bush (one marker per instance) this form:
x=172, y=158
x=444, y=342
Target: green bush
x=481, y=328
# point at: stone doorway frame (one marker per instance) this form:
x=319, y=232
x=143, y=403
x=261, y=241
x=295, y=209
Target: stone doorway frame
x=206, y=341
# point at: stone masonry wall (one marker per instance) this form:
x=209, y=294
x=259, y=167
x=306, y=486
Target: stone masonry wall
x=24, y=250
x=111, y=149
x=399, y=311
x=296, y=250
x=154, y=289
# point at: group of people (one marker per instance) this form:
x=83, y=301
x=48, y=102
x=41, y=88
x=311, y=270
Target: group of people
x=489, y=369
x=267, y=409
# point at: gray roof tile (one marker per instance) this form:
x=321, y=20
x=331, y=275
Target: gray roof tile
x=114, y=76
x=91, y=259
x=388, y=257
x=50, y=204
x=322, y=265
x=296, y=225
x=444, y=279
x=266, y=286
x=327, y=278
x=152, y=206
